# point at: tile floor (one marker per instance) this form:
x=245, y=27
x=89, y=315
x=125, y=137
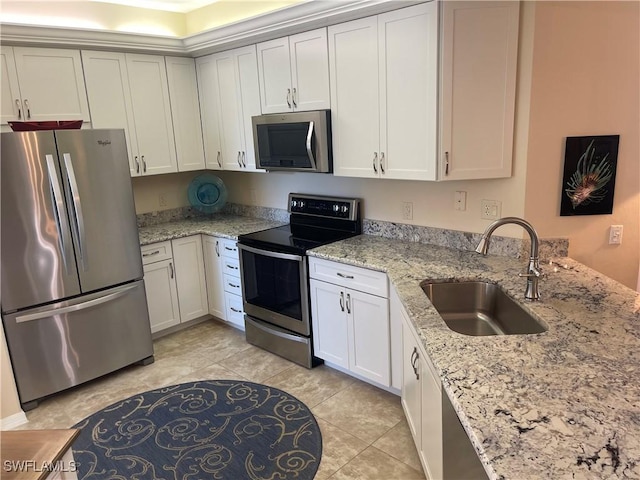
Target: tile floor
x=364, y=432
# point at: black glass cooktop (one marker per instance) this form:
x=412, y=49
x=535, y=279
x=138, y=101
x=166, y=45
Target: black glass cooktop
x=292, y=238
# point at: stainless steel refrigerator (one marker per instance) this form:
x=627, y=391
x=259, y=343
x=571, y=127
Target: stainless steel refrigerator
x=73, y=299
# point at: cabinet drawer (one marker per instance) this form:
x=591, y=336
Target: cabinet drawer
x=357, y=278
x=231, y=266
x=156, y=252
x=235, y=312
x=232, y=284
x=229, y=248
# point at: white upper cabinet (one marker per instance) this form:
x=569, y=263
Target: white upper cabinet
x=131, y=91
x=383, y=77
x=40, y=84
x=185, y=113
x=478, y=87
x=294, y=73
x=229, y=97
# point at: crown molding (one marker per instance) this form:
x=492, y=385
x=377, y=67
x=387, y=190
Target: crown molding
x=286, y=21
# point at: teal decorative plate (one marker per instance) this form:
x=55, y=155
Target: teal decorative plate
x=207, y=193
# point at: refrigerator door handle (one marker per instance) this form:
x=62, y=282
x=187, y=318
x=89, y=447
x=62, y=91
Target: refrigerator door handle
x=74, y=308
x=77, y=207
x=61, y=217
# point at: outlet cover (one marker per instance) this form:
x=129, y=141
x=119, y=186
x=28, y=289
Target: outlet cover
x=407, y=210
x=490, y=209
x=162, y=200
x=460, y=201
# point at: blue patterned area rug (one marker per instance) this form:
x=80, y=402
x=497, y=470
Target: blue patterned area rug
x=219, y=429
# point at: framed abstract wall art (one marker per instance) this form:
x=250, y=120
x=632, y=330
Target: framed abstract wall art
x=589, y=175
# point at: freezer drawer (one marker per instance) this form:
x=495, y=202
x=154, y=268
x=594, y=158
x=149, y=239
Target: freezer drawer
x=64, y=344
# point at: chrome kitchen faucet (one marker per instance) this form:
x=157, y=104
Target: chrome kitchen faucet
x=533, y=269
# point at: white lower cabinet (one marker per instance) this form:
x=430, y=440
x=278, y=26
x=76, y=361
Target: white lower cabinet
x=421, y=401
x=190, y=279
x=224, y=289
x=350, y=327
x=160, y=286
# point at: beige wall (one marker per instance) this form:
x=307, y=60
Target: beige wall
x=586, y=81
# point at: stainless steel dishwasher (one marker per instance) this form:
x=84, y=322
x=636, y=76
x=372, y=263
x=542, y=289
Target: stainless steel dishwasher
x=459, y=458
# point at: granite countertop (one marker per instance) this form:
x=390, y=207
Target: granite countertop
x=561, y=404
x=226, y=226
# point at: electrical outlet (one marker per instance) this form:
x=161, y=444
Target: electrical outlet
x=615, y=235
x=490, y=209
x=460, y=201
x=162, y=200
x=407, y=210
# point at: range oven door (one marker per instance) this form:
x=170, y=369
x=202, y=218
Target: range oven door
x=275, y=288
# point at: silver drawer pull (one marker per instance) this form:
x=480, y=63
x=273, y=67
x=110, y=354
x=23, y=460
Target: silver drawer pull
x=235, y=310
x=232, y=268
x=150, y=254
x=350, y=277
x=233, y=285
x=231, y=249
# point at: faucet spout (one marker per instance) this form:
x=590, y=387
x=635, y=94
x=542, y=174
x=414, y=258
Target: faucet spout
x=533, y=269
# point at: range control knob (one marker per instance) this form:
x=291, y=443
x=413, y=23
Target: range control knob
x=294, y=203
x=301, y=203
x=344, y=209
x=336, y=207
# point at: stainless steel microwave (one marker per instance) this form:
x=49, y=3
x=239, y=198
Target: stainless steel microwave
x=299, y=141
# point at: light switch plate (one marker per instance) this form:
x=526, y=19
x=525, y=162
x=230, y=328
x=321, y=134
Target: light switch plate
x=615, y=235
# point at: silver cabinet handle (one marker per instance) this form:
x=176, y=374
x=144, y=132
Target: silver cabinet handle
x=171, y=269
x=218, y=159
x=144, y=165
x=239, y=164
x=348, y=303
x=342, y=301
x=232, y=268
x=382, y=162
x=308, y=145
x=19, y=108
x=151, y=254
x=61, y=218
x=234, y=285
x=446, y=163
x=135, y=159
x=340, y=274
x=375, y=159
x=217, y=248
x=235, y=310
x=293, y=97
x=77, y=207
x=231, y=249
x=289, y=97
x=26, y=104
x=244, y=164
x=414, y=358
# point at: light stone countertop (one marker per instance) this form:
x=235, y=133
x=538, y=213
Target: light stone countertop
x=561, y=404
x=226, y=226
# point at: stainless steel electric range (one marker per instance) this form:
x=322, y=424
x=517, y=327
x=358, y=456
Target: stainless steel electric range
x=274, y=270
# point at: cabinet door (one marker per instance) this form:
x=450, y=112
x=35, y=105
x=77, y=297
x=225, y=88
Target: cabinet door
x=209, y=107
x=214, y=276
x=431, y=422
x=11, y=100
x=479, y=61
x=229, y=111
x=310, y=70
x=369, y=336
x=353, y=67
x=408, y=59
x=329, y=323
x=107, y=82
x=411, y=388
x=152, y=113
x=162, y=295
x=190, y=277
x=185, y=113
x=235, y=312
x=249, y=96
x=275, y=75
x=52, y=84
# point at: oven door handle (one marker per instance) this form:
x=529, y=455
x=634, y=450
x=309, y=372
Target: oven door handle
x=267, y=253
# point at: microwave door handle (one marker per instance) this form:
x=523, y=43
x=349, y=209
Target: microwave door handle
x=309, y=151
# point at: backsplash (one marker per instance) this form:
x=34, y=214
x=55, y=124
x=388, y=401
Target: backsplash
x=504, y=246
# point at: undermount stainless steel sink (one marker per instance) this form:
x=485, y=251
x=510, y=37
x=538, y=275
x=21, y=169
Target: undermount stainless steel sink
x=480, y=309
